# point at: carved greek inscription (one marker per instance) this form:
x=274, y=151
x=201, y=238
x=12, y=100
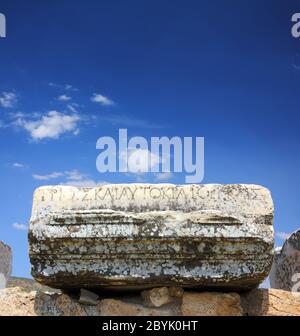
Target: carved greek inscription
x=126, y=193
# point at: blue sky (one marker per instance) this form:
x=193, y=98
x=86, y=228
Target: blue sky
x=225, y=70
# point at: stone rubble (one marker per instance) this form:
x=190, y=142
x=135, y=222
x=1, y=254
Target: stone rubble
x=285, y=272
x=259, y=302
x=5, y=264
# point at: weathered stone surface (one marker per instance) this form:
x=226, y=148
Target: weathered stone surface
x=176, y=292
x=260, y=302
x=17, y=302
x=112, y=307
x=211, y=304
x=52, y=304
x=5, y=264
x=157, y=297
x=271, y=302
x=142, y=236
x=285, y=272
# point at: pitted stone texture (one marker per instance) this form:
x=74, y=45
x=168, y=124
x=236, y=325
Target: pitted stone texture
x=270, y=302
x=158, y=297
x=17, y=302
x=285, y=272
x=211, y=304
x=260, y=302
x=142, y=236
x=113, y=307
x=5, y=264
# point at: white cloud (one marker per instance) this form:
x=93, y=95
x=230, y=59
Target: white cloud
x=75, y=175
x=72, y=108
x=18, y=165
x=163, y=176
x=130, y=121
x=67, y=87
x=283, y=235
x=8, y=99
x=51, y=126
x=69, y=175
x=84, y=183
x=70, y=87
x=64, y=98
x=47, y=177
x=77, y=179
x=100, y=99
x=20, y=227
x=72, y=178
x=140, y=160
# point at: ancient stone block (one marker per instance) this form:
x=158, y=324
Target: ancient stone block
x=143, y=236
x=285, y=272
x=113, y=307
x=5, y=264
x=270, y=302
x=211, y=304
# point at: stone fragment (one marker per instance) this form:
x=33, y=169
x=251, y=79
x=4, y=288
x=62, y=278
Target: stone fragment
x=112, y=307
x=5, y=264
x=88, y=298
x=176, y=292
x=285, y=272
x=52, y=304
x=139, y=236
x=271, y=302
x=157, y=297
x=211, y=304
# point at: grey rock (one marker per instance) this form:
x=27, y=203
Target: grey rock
x=156, y=297
x=5, y=264
x=176, y=292
x=285, y=272
x=139, y=236
x=88, y=298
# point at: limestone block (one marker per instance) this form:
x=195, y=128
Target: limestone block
x=157, y=297
x=271, y=302
x=211, y=304
x=139, y=236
